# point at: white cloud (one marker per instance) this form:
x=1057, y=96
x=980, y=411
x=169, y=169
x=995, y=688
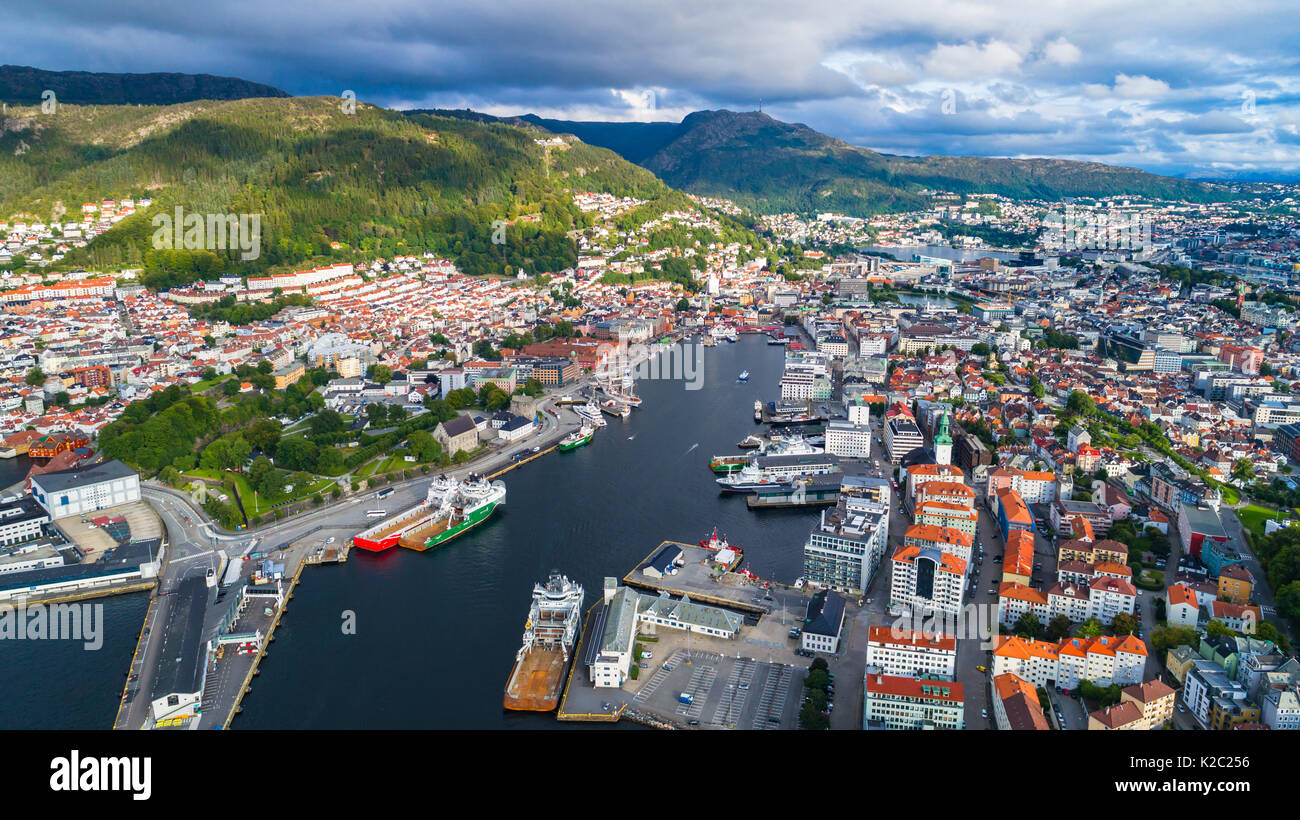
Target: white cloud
x=972, y=61
x=1062, y=52
x=1140, y=87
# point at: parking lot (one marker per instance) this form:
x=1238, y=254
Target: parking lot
x=708, y=690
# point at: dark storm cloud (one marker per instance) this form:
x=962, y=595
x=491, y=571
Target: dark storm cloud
x=1155, y=85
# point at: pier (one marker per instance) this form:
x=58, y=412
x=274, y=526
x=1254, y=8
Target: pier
x=698, y=580
x=584, y=708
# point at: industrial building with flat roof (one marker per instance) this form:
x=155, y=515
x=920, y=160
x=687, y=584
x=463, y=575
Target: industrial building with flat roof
x=84, y=490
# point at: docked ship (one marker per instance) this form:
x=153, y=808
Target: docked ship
x=622, y=389
x=758, y=410
x=450, y=508
x=750, y=442
x=576, y=439
x=726, y=556
x=766, y=472
x=590, y=413
x=787, y=413
x=729, y=464
x=780, y=446
x=550, y=636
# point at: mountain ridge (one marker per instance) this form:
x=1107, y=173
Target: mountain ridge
x=25, y=85
x=771, y=166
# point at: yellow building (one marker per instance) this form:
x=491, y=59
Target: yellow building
x=289, y=374
x=1236, y=584
x=1228, y=714
x=1178, y=660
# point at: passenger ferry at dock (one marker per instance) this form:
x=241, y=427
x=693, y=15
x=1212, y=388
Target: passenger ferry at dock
x=450, y=508
x=779, y=446
x=590, y=413
x=550, y=636
x=765, y=471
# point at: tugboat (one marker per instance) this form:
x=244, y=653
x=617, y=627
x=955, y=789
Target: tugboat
x=726, y=554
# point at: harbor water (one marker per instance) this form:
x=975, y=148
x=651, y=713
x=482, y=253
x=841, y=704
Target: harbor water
x=436, y=633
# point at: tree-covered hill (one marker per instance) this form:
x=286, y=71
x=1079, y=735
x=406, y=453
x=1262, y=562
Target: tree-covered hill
x=24, y=85
x=377, y=182
x=773, y=166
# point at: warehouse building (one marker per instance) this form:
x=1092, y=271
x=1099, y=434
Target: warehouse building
x=84, y=490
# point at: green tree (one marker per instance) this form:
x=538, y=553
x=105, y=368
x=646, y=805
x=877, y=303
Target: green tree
x=1092, y=628
x=1167, y=637
x=264, y=435
x=35, y=377
x=1288, y=600
x=1028, y=626
x=1218, y=629
x=327, y=421
x=1080, y=403
x=1123, y=624
x=296, y=454
x=1058, y=629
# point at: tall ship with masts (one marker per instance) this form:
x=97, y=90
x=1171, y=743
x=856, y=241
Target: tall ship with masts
x=550, y=637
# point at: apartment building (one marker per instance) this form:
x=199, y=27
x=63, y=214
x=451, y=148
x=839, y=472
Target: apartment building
x=927, y=577
x=1015, y=705
x=911, y=653
x=897, y=702
x=1102, y=660
x=845, y=550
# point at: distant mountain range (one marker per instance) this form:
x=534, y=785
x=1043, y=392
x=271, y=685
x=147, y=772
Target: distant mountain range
x=773, y=166
x=383, y=181
x=24, y=85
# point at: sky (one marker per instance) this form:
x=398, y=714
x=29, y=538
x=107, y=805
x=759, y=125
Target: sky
x=1201, y=89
